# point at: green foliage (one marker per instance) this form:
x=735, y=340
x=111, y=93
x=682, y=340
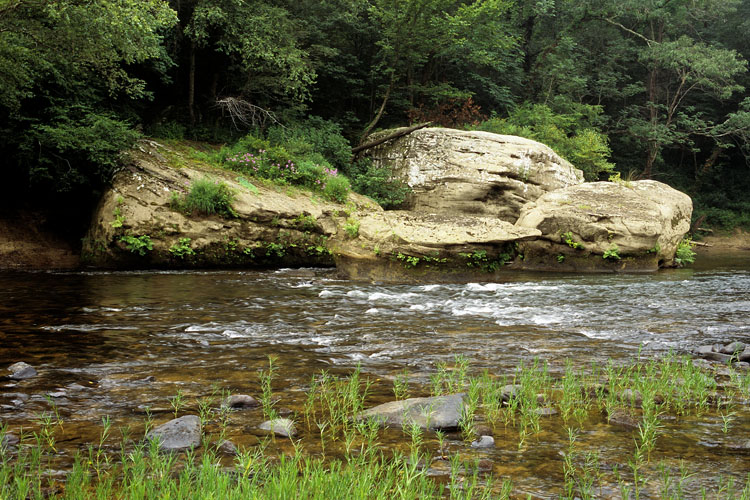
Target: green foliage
x=207, y=197
x=378, y=183
x=684, y=254
x=313, y=138
x=612, y=253
x=247, y=185
x=352, y=228
x=181, y=248
x=571, y=133
x=567, y=238
x=138, y=244
x=336, y=188
x=480, y=259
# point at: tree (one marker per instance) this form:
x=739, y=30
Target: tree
x=678, y=66
x=65, y=68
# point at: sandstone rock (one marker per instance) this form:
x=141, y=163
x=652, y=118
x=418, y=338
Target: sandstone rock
x=397, y=244
x=179, y=434
x=643, y=220
x=272, y=227
x=471, y=172
x=21, y=371
x=280, y=426
x=434, y=413
x=240, y=401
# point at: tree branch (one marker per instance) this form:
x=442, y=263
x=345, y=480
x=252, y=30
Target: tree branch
x=394, y=135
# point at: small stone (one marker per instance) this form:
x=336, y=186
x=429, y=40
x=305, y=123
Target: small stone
x=240, y=401
x=623, y=418
x=745, y=355
x=742, y=365
x=631, y=397
x=434, y=413
x=228, y=448
x=703, y=350
x=732, y=348
x=57, y=394
x=149, y=379
x=484, y=442
x=545, y=411
x=483, y=430
x=10, y=440
x=740, y=446
x=179, y=434
x=510, y=391
x=717, y=356
x=280, y=426
x=21, y=371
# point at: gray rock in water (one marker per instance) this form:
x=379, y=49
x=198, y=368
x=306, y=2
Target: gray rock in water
x=631, y=397
x=717, y=356
x=745, y=355
x=733, y=347
x=703, y=350
x=228, y=448
x=240, y=401
x=510, y=391
x=280, y=426
x=179, y=434
x=484, y=442
x=21, y=371
x=545, y=411
x=10, y=440
x=436, y=413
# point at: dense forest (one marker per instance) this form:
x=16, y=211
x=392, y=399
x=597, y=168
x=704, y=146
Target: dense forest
x=647, y=88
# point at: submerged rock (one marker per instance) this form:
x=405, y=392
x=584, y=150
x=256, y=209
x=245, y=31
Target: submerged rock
x=283, y=427
x=228, y=448
x=240, y=401
x=484, y=442
x=21, y=371
x=434, y=413
x=179, y=434
x=623, y=418
x=9, y=440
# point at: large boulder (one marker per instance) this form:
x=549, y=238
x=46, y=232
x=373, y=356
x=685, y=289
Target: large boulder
x=470, y=172
x=273, y=227
x=636, y=225
x=402, y=245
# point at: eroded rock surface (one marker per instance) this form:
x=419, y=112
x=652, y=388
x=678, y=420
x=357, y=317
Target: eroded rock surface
x=471, y=172
x=639, y=223
x=274, y=227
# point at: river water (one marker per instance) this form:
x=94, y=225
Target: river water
x=97, y=337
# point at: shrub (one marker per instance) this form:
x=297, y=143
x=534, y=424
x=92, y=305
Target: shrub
x=207, y=196
x=612, y=253
x=571, y=132
x=378, y=183
x=181, y=249
x=684, y=254
x=138, y=244
x=336, y=188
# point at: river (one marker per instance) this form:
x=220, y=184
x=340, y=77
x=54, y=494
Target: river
x=116, y=343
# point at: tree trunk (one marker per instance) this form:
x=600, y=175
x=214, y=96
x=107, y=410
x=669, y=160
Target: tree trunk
x=191, y=84
x=375, y=120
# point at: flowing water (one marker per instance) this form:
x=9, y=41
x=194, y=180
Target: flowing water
x=117, y=343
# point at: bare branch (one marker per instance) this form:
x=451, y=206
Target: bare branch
x=625, y=28
x=246, y=113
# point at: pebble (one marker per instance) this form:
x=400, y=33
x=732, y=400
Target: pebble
x=21, y=371
x=280, y=426
x=484, y=442
x=240, y=401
